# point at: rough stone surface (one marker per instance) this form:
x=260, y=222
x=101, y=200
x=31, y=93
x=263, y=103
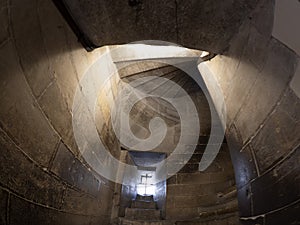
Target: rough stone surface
x=40, y=65
x=43, y=179
x=282, y=182
x=191, y=193
x=263, y=120
x=287, y=215
x=281, y=132
x=67, y=167
x=4, y=23
x=195, y=24
x=27, y=179
x=3, y=206
x=25, y=20
x=31, y=131
x=268, y=88
x=23, y=212
x=244, y=162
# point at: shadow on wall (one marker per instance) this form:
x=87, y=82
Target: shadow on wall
x=263, y=120
x=43, y=178
x=41, y=65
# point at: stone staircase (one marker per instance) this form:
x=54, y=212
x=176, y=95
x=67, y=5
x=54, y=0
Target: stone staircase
x=143, y=211
x=193, y=197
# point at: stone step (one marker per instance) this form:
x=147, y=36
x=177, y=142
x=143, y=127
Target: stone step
x=143, y=204
x=231, y=205
x=123, y=221
x=137, y=72
x=142, y=214
x=198, y=189
x=148, y=198
x=226, y=219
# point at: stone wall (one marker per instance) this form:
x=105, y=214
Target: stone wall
x=263, y=112
x=199, y=196
x=43, y=179
x=195, y=24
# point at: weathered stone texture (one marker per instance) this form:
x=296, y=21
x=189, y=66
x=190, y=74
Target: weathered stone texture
x=289, y=215
x=20, y=116
x=32, y=52
x=19, y=174
x=23, y=212
x=283, y=181
x=191, y=193
x=4, y=30
x=268, y=89
x=41, y=63
x=42, y=176
x=3, y=206
x=195, y=24
x=71, y=170
x=280, y=133
x=263, y=115
x=244, y=164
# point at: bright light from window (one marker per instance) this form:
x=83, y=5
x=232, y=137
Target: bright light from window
x=145, y=189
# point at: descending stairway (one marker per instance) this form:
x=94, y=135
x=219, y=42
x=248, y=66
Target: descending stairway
x=193, y=197
x=143, y=211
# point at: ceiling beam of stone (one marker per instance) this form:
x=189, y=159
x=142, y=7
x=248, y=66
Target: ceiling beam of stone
x=197, y=24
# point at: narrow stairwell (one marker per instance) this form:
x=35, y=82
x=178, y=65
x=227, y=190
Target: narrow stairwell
x=143, y=211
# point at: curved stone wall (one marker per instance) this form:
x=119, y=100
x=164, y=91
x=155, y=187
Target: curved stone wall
x=263, y=119
x=43, y=179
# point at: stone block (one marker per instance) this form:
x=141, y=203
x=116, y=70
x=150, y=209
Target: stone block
x=255, y=49
x=20, y=116
x=106, y=198
x=172, y=180
x=244, y=201
x=142, y=214
x=245, y=168
x=105, y=220
x=19, y=174
x=58, y=114
x=239, y=87
x=228, y=63
x=81, y=203
x=3, y=206
x=189, y=168
x=263, y=17
x=23, y=212
x=77, y=53
x=197, y=189
x=138, y=25
x=295, y=82
x=193, y=178
x=236, y=48
x=280, y=133
x=243, y=161
x=58, y=49
x=71, y=170
x=209, y=27
x=282, y=181
x=143, y=204
x=267, y=89
x=194, y=201
x=288, y=215
x=181, y=213
x=30, y=45
x=3, y=22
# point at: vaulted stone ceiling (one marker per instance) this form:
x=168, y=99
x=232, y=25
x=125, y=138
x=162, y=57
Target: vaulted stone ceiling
x=198, y=24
